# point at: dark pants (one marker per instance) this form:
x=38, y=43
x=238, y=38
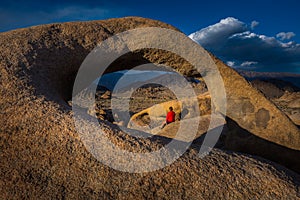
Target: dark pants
x=165, y=124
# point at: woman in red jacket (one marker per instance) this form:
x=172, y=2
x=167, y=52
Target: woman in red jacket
x=170, y=117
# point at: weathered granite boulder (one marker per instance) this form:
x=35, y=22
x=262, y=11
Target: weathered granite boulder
x=42, y=155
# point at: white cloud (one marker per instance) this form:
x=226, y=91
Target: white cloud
x=248, y=63
x=285, y=35
x=238, y=46
x=254, y=24
x=230, y=63
x=218, y=33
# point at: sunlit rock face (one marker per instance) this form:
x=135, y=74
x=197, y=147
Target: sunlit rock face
x=42, y=154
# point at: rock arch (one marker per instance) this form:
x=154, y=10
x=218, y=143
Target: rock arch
x=49, y=57
x=41, y=152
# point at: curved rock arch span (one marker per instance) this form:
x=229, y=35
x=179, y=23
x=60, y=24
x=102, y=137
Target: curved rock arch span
x=37, y=68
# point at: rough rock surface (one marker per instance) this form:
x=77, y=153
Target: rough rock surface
x=253, y=112
x=235, y=137
x=245, y=104
x=43, y=157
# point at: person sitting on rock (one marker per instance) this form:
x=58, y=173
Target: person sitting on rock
x=170, y=117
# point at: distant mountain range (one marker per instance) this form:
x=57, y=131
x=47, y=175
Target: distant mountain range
x=110, y=80
x=289, y=77
x=134, y=78
x=140, y=78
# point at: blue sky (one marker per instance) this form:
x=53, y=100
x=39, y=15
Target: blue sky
x=268, y=29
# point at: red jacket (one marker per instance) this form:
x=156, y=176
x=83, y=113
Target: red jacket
x=170, y=117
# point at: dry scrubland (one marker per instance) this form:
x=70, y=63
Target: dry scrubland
x=43, y=157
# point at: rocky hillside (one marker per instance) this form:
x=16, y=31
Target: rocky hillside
x=42, y=156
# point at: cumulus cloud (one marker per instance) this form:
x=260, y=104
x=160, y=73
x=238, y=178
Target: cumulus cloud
x=285, y=36
x=236, y=44
x=217, y=34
